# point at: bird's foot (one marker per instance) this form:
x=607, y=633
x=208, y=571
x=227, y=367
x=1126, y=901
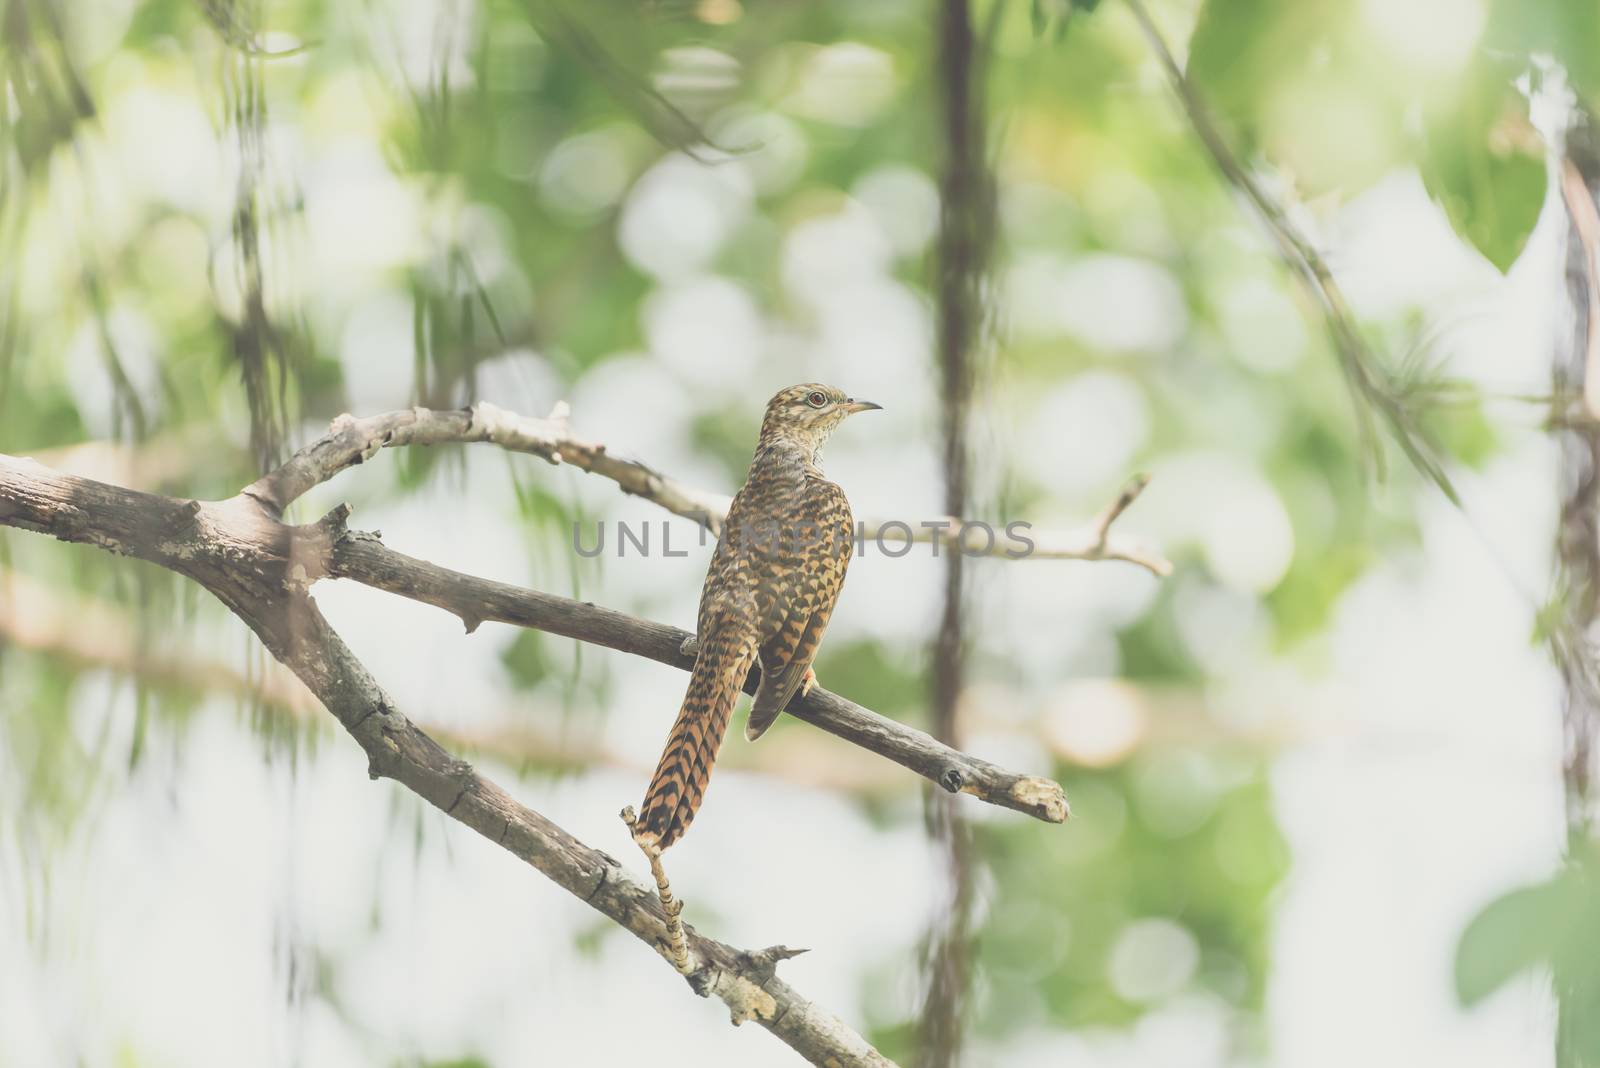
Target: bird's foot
x=808, y=682
x=677, y=940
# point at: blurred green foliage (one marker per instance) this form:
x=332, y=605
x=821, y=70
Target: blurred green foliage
x=1275, y=70
x=105, y=280
x=1551, y=926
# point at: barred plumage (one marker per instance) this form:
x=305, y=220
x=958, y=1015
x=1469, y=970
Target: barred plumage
x=680, y=780
x=774, y=577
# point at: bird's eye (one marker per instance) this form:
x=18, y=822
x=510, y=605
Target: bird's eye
x=816, y=399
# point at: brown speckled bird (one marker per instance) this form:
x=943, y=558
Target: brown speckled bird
x=775, y=575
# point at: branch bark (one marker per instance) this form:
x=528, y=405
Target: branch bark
x=1577, y=550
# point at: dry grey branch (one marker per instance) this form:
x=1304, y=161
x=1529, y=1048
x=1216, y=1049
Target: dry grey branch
x=262, y=569
x=351, y=441
x=259, y=568
x=366, y=560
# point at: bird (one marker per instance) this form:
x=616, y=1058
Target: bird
x=774, y=578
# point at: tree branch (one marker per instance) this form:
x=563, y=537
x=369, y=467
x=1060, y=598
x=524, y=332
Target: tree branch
x=1576, y=387
x=363, y=558
x=86, y=633
x=351, y=441
x=262, y=569
x=244, y=531
x=961, y=265
x=89, y=633
x=255, y=565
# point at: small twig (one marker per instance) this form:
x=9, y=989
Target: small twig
x=1090, y=542
x=1130, y=493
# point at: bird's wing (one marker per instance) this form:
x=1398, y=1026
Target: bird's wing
x=809, y=602
x=781, y=681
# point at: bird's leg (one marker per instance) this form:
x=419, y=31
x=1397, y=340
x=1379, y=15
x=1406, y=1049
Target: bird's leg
x=677, y=940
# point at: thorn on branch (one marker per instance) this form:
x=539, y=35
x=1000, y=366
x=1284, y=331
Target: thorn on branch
x=334, y=523
x=763, y=963
x=184, y=520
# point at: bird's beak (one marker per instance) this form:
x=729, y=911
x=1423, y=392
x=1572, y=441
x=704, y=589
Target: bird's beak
x=853, y=406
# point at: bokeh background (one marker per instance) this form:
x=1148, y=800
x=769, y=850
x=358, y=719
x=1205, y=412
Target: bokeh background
x=1301, y=768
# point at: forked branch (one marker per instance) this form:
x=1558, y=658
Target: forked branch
x=261, y=568
x=258, y=568
x=351, y=441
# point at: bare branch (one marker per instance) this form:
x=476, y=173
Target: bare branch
x=88, y=632
x=245, y=528
x=396, y=749
x=351, y=441
x=1091, y=542
x=254, y=565
x=366, y=560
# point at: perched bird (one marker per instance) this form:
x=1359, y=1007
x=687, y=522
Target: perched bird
x=774, y=577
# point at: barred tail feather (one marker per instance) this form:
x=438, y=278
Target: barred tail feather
x=680, y=780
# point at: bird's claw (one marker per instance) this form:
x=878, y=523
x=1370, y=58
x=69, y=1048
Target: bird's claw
x=671, y=906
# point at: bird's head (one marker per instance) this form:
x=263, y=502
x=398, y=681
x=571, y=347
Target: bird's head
x=808, y=413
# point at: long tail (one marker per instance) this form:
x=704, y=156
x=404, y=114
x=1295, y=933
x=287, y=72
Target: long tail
x=680, y=780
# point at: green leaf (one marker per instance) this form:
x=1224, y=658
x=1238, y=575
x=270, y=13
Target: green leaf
x=1554, y=925
x=1294, y=82
x=1569, y=30
x=1483, y=164
x=1049, y=18
x=1243, y=51
x=1515, y=932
